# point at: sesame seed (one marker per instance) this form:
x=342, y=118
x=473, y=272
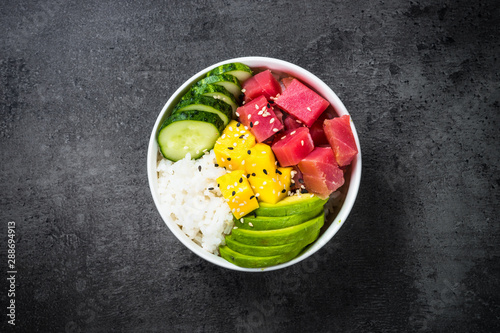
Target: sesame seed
x=274, y=191
x=256, y=107
x=264, y=183
x=237, y=114
x=216, y=165
x=235, y=144
x=235, y=184
x=238, y=210
x=241, y=180
x=271, y=121
x=302, y=142
x=223, y=136
x=229, y=158
x=210, y=188
x=249, y=116
x=265, y=171
x=243, y=162
x=231, y=128
x=284, y=136
x=251, y=124
x=292, y=133
x=241, y=204
x=235, y=227
x=243, y=90
x=248, y=176
x=199, y=168
x=249, y=152
x=250, y=224
x=230, y=148
x=233, y=210
x=253, y=196
x=263, y=152
x=262, y=187
x=253, y=174
x=283, y=191
x=268, y=105
x=222, y=159
x=278, y=172
x=298, y=121
x=230, y=167
x=308, y=109
x=238, y=124
x=257, y=195
x=256, y=123
x=275, y=130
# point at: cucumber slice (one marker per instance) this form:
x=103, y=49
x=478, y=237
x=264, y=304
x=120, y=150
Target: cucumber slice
x=231, y=83
x=207, y=104
x=189, y=132
x=214, y=91
x=241, y=71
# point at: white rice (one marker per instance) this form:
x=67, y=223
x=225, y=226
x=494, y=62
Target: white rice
x=202, y=214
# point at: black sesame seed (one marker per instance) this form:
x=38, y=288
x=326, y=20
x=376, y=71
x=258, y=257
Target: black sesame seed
x=230, y=148
x=238, y=124
x=253, y=196
x=229, y=158
x=304, y=191
x=241, y=180
x=242, y=136
x=278, y=172
x=234, y=192
x=210, y=188
x=283, y=191
x=199, y=168
x=249, y=152
x=218, y=185
x=272, y=102
x=301, y=181
x=253, y=174
x=265, y=171
x=216, y=165
x=248, y=176
x=251, y=124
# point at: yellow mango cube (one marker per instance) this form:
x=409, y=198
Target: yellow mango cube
x=238, y=193
x=232, y=146
x=272, y=189
x=260, y=161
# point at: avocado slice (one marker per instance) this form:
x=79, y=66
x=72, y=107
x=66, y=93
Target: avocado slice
x=244, y=260
x=268, y=251
x=276, y=222
x=292, y=205
x=292, y=234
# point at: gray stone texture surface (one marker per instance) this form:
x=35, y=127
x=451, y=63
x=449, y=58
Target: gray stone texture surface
x=81, y=85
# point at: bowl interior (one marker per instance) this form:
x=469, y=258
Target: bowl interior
x=352, y=176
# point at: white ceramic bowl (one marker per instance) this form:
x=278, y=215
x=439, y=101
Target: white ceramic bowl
x=352, y=176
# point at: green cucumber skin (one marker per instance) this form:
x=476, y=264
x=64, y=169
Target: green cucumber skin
x=232, y=67
x=218, y=105
x=195, y=116
x=220, y=79
x=210, y=89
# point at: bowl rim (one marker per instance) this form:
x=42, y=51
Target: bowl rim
x=326, y=92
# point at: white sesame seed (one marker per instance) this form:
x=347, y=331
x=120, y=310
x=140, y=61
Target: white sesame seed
x=271, y=121
x=257, y=195
x=250, y=224
x=238, y=210
x=264, y=183
x=243, y=162
x=256, y=123
x=302, y=142
x=292, y=133
x=256, y=107
x=284, y=136
x=235, y=227
x=230, y=128
x=223, y=136
x=237, y=114
x=243, y=90
x=308, y=109
x=249, y=116
x=275, y=130
x=242, y=220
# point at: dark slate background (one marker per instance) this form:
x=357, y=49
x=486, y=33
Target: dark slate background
x=82, y=83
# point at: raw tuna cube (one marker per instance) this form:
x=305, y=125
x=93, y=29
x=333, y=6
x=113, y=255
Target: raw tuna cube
x=291, y=123
x=263, y=83
x=317, y=131
x=339, y=134
x=302, y=102
x=321, y=173
x=286, y=81
x=291, y=147
x=259, y=117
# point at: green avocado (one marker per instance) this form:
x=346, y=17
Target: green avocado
x=292, y=234
x=293, y=205
x=244, y=260
x=275, y=222
x=268, y=251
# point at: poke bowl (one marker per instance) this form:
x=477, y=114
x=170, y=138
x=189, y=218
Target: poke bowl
x=187, y=173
